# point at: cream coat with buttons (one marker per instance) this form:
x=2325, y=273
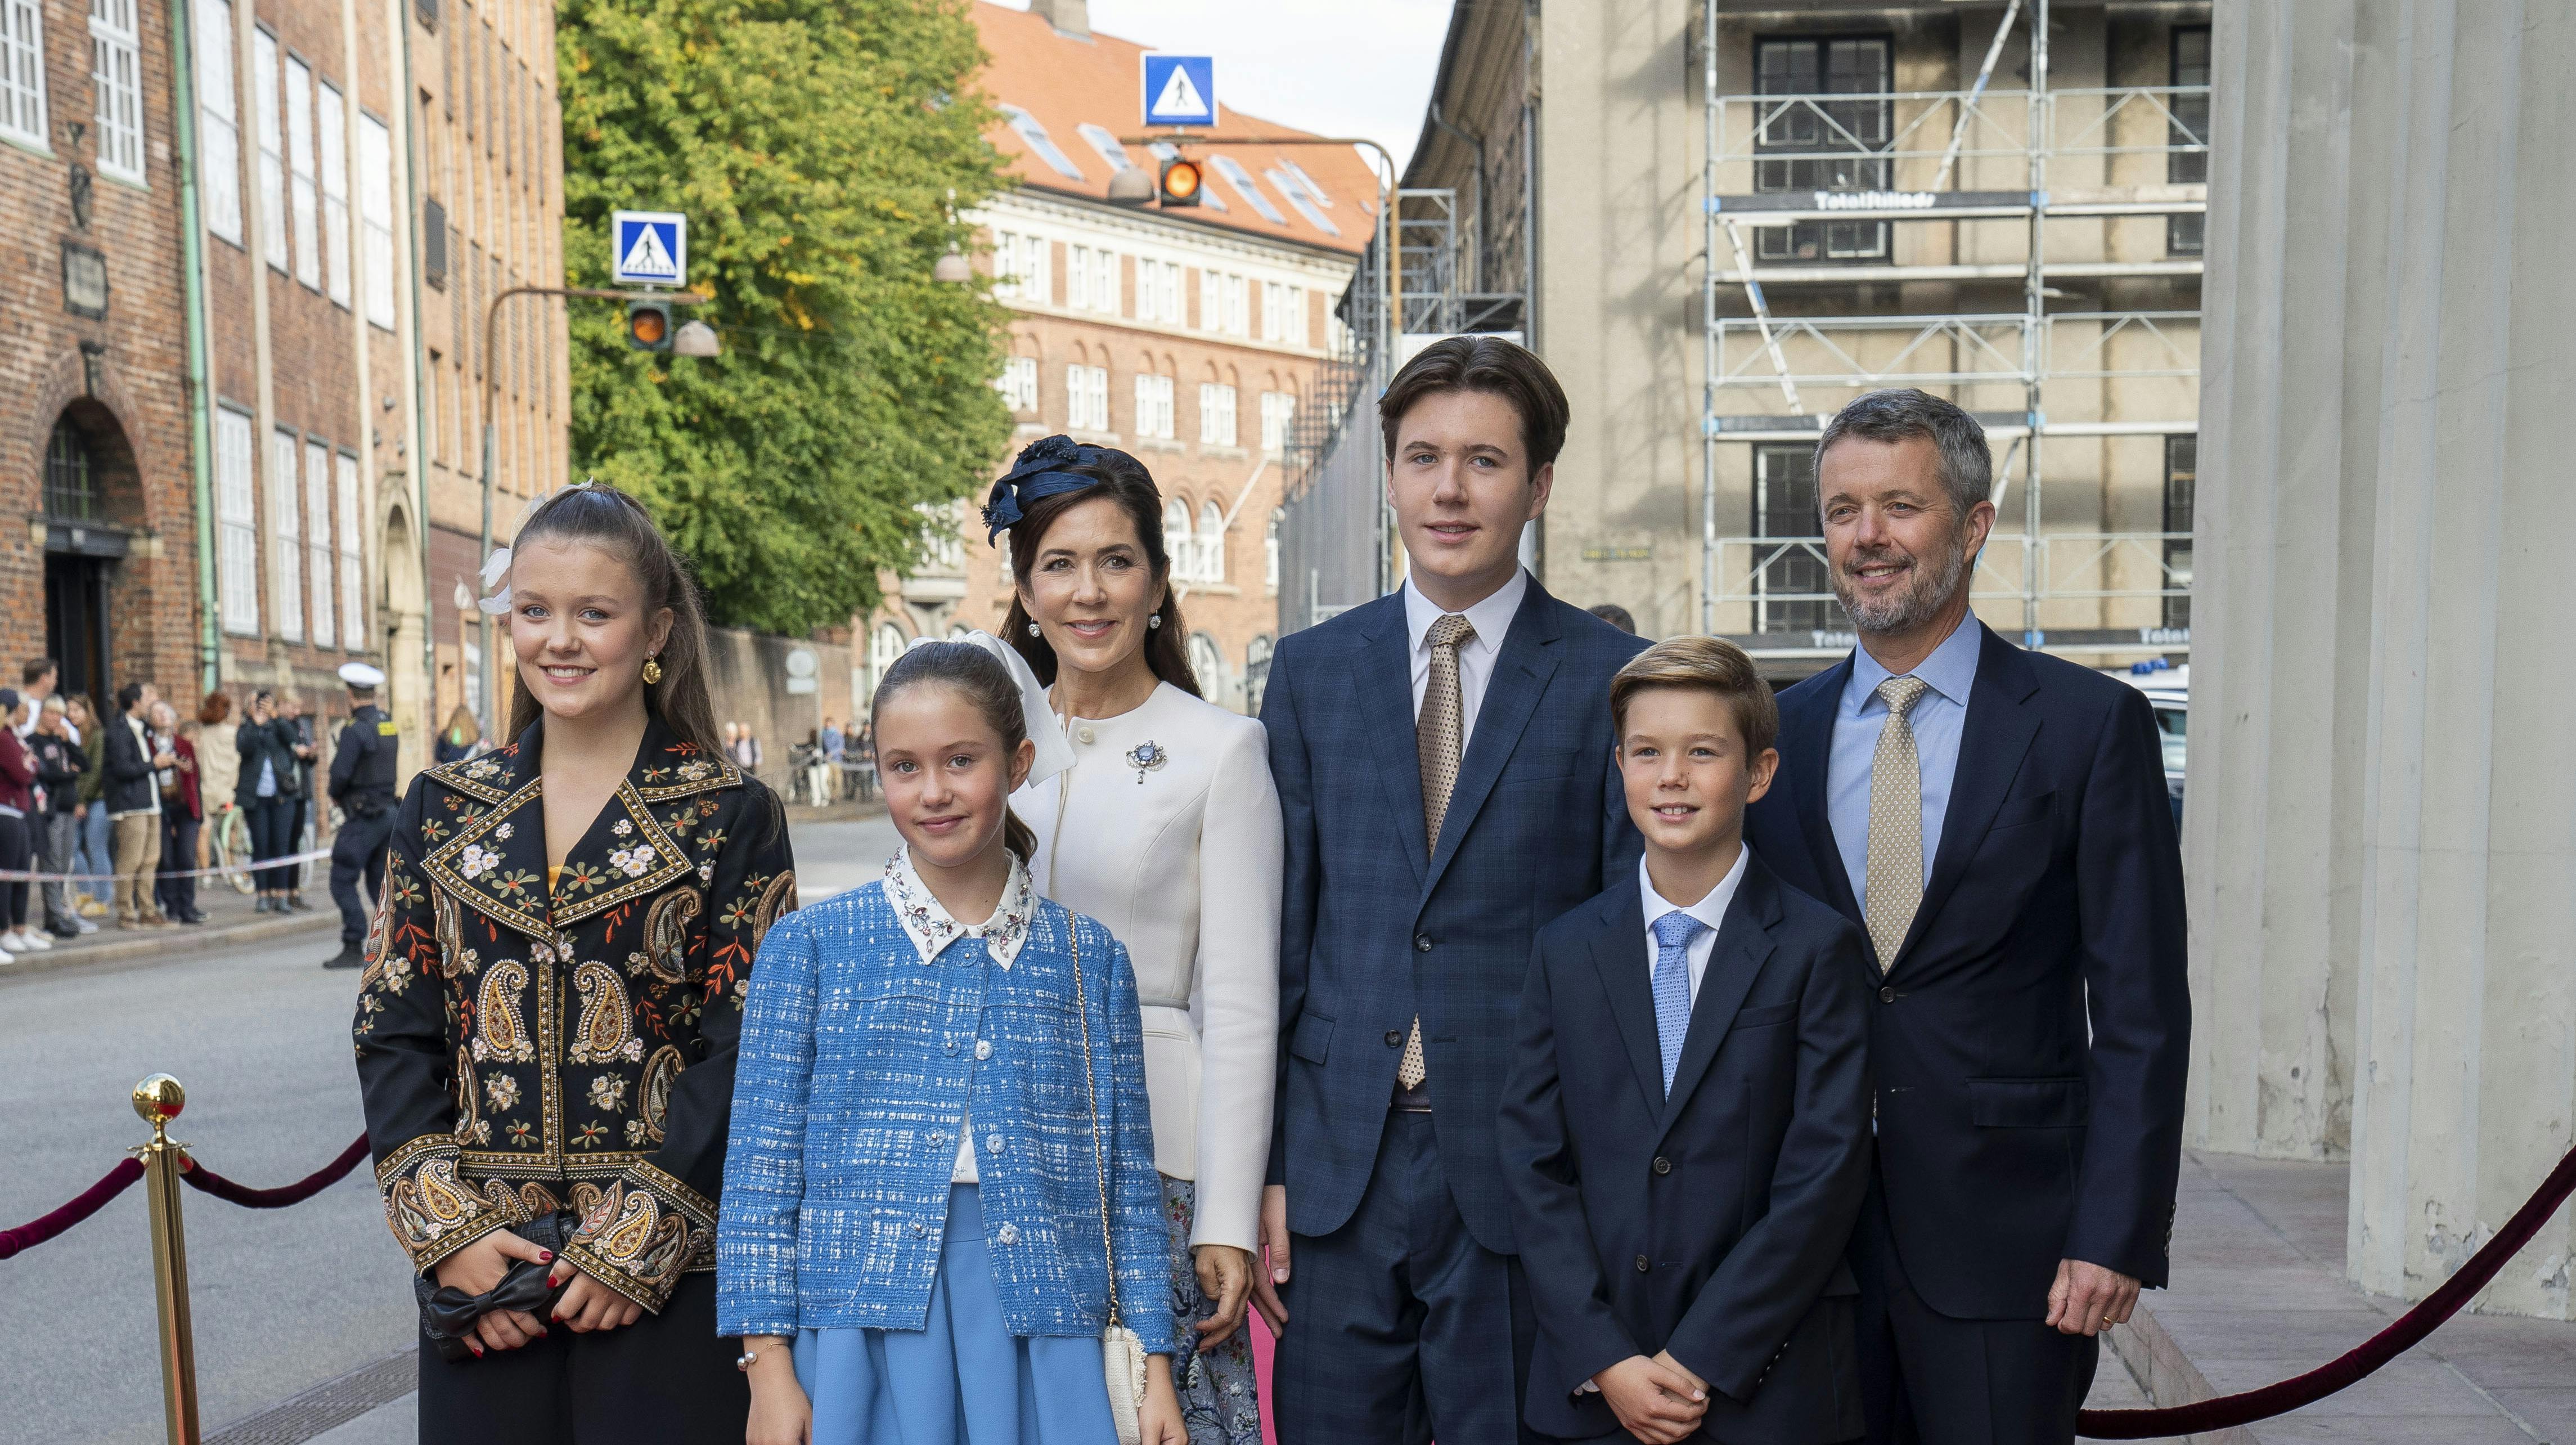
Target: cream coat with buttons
x=1182, y=862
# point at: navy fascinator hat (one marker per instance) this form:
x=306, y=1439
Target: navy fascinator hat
x=1039, y=472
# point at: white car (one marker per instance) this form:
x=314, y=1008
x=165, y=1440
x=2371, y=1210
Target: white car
x=2169, y=689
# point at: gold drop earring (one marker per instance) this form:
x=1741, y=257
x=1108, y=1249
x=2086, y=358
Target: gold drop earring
x=652, y=671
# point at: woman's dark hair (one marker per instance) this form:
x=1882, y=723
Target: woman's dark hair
x=1123, y=480
x=986, y=684
x=606, y=517
x=216, y=707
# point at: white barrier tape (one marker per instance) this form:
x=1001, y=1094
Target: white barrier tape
x=21, y=875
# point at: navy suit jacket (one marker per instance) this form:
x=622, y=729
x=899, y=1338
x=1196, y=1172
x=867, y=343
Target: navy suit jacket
x=2030, y=1039
x=1376, y=925
x=1711, y=1223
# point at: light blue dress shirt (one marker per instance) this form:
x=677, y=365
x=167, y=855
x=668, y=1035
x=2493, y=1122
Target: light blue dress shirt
x=1937, y=716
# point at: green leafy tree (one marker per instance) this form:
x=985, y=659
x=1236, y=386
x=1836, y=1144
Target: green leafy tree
x=815, y=146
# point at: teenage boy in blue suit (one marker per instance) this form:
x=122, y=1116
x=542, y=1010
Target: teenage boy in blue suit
x=1686, y=1126
x=1444, y=772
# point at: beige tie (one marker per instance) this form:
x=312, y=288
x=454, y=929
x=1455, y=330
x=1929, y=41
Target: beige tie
x=1894, y=887
x=1439, y=740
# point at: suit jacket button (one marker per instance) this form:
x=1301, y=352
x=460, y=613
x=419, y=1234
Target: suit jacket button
x=1642, y=1266
x=1663, y=1165
x=1887, y=995
x=1395, y=1038
x=1422, y=942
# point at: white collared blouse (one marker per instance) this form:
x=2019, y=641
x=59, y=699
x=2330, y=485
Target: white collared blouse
x=1167, y=830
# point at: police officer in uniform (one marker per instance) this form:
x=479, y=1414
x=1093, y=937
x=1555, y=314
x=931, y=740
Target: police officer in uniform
x=362, y=783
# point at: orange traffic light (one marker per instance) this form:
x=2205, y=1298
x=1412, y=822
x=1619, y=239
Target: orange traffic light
x=1181, y=182
x=648, y=325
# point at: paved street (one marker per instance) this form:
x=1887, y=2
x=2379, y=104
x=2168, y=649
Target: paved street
x=284, y=1300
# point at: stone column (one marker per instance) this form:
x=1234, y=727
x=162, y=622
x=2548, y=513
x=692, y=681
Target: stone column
x=2383, y=855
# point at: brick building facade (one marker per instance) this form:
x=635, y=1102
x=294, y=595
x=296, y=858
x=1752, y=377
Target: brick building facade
x=1183, y=337
x=94, y=443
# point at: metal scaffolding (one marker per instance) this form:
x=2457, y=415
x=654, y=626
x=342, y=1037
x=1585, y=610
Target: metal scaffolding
x=1894, y=158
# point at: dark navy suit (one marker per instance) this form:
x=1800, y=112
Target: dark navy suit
x=1399, y=1301
x=2028, y=1043
x=1711, y=1223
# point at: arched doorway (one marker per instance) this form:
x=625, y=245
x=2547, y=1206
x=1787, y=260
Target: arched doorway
x=91, y=499
x=402, y=625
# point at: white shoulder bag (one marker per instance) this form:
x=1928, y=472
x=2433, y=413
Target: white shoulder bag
x=1122, y=1355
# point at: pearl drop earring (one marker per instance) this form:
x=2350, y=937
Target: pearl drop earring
x=1154, y=621
x=1033, y=630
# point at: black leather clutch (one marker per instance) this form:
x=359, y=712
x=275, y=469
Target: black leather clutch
x=447, y=1314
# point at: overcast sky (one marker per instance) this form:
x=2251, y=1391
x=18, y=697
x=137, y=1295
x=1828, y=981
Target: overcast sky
x=1335, y=67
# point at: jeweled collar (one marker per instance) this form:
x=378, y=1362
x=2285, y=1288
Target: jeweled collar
x=930, y=928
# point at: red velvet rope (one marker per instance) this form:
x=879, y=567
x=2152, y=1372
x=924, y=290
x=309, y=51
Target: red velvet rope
x=2229, y=1411
x=296, y=1193
x=87, y=1203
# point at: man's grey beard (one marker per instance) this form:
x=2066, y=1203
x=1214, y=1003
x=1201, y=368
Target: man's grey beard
x=1918, y=604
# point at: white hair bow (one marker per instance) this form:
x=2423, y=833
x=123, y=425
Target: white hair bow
x=1037, y=719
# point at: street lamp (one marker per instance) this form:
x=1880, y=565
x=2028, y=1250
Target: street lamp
x=696, y=338
x=952, y=269
x=1131, y=187
x=492, y=718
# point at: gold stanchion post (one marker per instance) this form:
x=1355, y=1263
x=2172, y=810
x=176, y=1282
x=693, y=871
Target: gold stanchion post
x=158, y=1100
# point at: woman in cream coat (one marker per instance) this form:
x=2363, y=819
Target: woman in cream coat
x=1167, y=830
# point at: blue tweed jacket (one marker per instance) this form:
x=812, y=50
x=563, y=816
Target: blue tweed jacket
x=860, y=1062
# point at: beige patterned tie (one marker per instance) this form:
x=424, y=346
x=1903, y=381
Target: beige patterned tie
x=1894, y=887
x=1439, y=741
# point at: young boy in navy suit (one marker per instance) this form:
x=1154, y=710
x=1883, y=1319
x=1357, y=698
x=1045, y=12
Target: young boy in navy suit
x=1686, y=1125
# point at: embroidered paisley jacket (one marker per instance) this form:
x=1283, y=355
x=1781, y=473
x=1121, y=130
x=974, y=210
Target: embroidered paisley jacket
x=525, y=1049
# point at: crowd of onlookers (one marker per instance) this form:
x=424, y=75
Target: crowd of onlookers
x=827, y=766
x=134, y=808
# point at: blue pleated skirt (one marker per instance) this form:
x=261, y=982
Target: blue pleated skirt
x=964, y=1379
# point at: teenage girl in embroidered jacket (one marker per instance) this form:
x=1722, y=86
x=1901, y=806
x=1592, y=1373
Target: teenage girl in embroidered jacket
x=912, y=1236
x=553, y=990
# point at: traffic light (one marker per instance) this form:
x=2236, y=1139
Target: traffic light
x=648, y=325
x=1181, y=181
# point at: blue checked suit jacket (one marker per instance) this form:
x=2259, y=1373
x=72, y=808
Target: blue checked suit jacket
x=1377, y=925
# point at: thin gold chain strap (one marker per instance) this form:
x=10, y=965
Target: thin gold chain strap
x=1099, y=1158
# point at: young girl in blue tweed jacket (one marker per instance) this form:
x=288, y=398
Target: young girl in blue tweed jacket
x=940, y=1186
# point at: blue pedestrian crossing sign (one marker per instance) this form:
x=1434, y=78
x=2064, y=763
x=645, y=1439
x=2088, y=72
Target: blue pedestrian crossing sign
x=650, y=248
x=1180, y=90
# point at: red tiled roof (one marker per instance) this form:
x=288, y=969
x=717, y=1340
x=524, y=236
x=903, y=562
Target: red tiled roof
x=1062, y=83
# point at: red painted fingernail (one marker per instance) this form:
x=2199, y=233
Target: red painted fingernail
x=477, y=1349
x=545, y=1256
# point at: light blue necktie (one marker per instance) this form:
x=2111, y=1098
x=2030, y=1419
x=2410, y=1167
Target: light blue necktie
x=1673, y=934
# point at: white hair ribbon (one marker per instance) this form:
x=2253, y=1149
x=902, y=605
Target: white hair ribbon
x=496, y=567
x=1037, y=719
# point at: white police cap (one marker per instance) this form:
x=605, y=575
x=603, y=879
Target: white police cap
x=359, y=674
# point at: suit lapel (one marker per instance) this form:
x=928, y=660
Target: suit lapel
x=1743, y=946
x=1519, y=680
x=1386, y=714
x=1618, y=954
x=1808, y=738
x=1993, y=739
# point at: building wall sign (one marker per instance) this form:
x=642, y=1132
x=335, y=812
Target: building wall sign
x=84, y=281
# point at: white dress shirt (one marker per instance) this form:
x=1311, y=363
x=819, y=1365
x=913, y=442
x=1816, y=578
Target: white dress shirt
x=1178, y=851
x=1710, y=910
x=928, y=924
x=1491, y=619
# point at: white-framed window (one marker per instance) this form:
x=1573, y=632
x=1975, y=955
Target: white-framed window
x=237, y=520
x=1270, y=550
x=1291, y=185
x=335, y=193
x=271, y=129
x=116, y=83
x=1250, y=189
x=885, y=649
x=1040, y=143
x=1105, y=141
x=1179, y=543
x=218, y=120
x=943, y=544
x=1211, y=541
x=1020, y=267
x=376, y=217
x=1238, y=320
x=22, y=72
x=303, y=189
x=286, y=536
x=1019, y=383
x=317, y=512
x=1091, y=279
x=1216, y=414
x=1211, y=300
x=1158, y=291
x=1086, y=393
x=1278, y=411
x=1283, y=313
x=1154, y=406
x=353, y=557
